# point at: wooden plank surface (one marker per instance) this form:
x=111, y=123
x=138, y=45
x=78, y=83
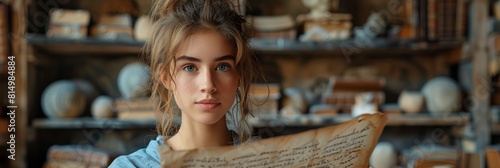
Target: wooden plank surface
x=424, y=119
x=19, y=51
x=481, y=80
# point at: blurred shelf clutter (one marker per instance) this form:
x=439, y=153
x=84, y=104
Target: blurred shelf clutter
x=324, y=61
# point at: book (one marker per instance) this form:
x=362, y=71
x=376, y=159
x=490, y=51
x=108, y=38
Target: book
x=342, y=92
x=146, y=114
x=265, y=99
x=77, y=156
x=349, y=144
x=492, y=157
x=132, y=104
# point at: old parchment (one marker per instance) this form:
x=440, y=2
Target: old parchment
x=349, y=144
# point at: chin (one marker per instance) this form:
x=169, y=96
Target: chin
x=209, y=119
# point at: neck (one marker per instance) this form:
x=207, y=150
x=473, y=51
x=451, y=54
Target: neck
x=193, y=135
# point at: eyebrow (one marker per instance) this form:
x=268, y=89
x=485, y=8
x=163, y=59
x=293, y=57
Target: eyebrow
x=193, y=59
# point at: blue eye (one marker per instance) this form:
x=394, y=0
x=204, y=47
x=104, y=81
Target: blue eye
x=189, y=68
x=223, y=68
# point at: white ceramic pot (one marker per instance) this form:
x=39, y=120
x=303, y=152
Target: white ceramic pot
x=102, y=107
x=383, y=156
x=442, y=96
x=411, y=101
x=142, y=28
x=133, y=80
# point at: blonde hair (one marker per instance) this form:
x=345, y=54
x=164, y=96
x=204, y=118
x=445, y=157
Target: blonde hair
x=174, y=20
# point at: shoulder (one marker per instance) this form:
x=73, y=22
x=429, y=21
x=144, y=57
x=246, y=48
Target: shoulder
x=145, y=157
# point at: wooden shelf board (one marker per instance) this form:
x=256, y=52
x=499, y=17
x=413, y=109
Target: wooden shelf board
x=68, y=47
x=378, y=46
x=458, y=119
x=80, y=123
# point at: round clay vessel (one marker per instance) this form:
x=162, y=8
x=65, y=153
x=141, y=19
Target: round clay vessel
x=383, y=156
x=442, y=96
x=102, y=107
x=411, y=101
x=133, y=80
x=63, y=99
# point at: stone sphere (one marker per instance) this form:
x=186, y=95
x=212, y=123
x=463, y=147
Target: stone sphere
x=383, y=156
x=133, y=80
x=63, y=99
x=442, y=96
x=102, y=107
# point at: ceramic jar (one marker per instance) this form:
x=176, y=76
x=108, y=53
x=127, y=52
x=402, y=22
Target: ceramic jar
x=411, y=101
x=442, y=96
x=102, y=107
x=63, y=99
x=133, y=80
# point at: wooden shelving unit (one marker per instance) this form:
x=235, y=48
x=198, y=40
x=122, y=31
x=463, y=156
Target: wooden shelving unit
x=456, y=119
x=288, y=48
x=69, y=47
x=39, y=45
x=87, y=122
x=87, y=47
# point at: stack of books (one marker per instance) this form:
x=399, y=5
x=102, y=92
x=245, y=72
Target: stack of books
x=431, y=156
x=59, y=156
x=134, y=109
x=435, y=20
x=342, y=92
x=265, y=100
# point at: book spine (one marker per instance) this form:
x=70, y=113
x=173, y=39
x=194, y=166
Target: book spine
x=431, y=20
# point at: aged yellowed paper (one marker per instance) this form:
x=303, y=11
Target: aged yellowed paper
x=349, y=144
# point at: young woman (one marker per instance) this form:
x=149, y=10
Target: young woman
x=202, y=68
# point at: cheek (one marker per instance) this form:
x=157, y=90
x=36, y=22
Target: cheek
x=231, y=81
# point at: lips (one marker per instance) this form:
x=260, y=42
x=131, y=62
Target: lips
x=207, y=104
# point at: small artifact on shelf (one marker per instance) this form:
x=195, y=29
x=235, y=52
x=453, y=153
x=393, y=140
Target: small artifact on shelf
x=113, y=27
x=133, y=80
x=102, y=107
x=364, y=105
x=374, y=26
x=142, y=28
x=66, y=23
x=442, y=96
x=274, y=27
x=411, y=102
x=319, y=24
x=384, y=156
x=63, y=99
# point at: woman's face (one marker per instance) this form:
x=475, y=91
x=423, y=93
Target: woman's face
x=205, y=77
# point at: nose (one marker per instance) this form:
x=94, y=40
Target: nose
x=207, y=84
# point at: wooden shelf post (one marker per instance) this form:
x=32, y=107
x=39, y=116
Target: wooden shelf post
x=18, y=38
x=481, y=80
